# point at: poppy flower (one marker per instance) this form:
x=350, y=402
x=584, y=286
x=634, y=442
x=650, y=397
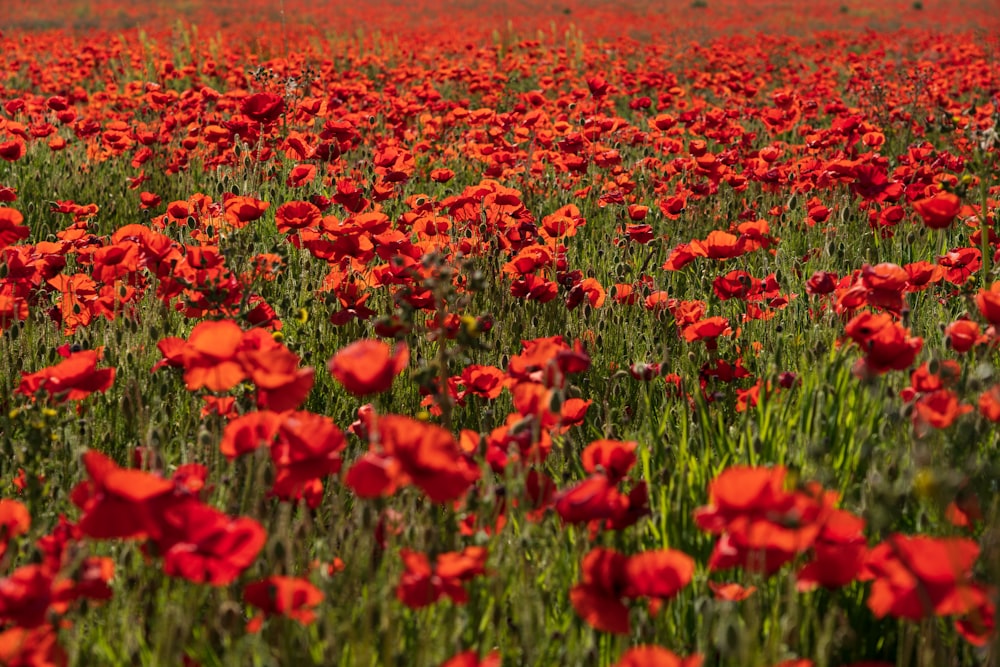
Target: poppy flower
x=919, y=576
x=71, y=380
x=293, y=597
x=938, y=211
x=988, y=302
x=422, y=585
x=263, y=107
x=609, y=577
x=655, y=656
x=368, y=366
x=938, y=409
x=37, y=647
x=732, y=592
x=203, y=545
x=11, y=228
x=119, y=502
x=962, y=335
x=471, y=659
x=14, y=521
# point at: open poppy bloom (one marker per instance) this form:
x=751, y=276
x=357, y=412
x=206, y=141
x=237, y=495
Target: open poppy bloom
x=293, y=597
x=919, y=576
x=938, y=211
x=412, y=452
x=368, y=366
x=610, y=577
x=422, y=585
x=71, y=380
x=655, y=656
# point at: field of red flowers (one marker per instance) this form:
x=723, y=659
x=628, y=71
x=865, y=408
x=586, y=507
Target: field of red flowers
x=467, y=334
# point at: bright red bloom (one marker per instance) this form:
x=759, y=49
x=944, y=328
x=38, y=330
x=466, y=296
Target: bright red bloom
x=119, y=502
x=263, y=107
x=609, y=577
x=37, y=647
x=14, y=521
x=988, y=302
x=655, y=656
x=940, y=210
x=71, y=380
x=282, y=596
x=962, y=335
x=421, y=585
x=918, y=576
x=409, y=451
x=368, y=366
x=761, y=525
x=203, y=545
x=11, y=228
x=887, y=344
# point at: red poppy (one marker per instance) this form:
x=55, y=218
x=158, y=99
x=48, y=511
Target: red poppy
x=608, y=577
x=989, y=404
x=368, y=366
x=732, y=592
x=887, y=345
x=71, y=380
x=938, y=409
x=962, y=335
x=988, y=302
x=940, y=210
x=422, y=585
x=296, y=215
x=36, y=647
x=11, y=228
x=471, y=659
x=203, y=545
x=919, y=576
x=242, y=210
x=14, y=521
x=655, y=656
x=282, y=596
x=263, y=107
x=119, y=502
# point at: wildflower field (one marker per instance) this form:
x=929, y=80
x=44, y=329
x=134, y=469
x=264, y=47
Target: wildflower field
x=500, y=333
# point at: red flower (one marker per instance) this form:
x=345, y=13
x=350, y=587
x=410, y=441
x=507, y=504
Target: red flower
x=36, y=647
x=918, y=576
x=71, y=380
x=368, y=366
x=962, y=335
x=655, y=656
x=203, y=545
x=609, y=577
x=263, y=107
x=421, y=586
x=940, y=210
x=410, y=451
x=731, y=592
x=11, y=229
x=14, y=521
x=938, y=409
x=118, y=502
x=988, y=302
x=887, y=345
x=285, y=596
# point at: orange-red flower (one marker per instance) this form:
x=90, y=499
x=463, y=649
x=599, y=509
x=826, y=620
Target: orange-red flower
x=940, y=210
x=282, y=596
x=71, y=380
x=610, y=577
x=655, y=656
x=368, y=366
x=919, y=576
x=422, y=585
